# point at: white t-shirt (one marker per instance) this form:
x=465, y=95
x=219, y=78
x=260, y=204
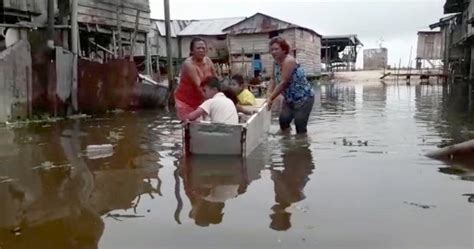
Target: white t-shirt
x=220, y=109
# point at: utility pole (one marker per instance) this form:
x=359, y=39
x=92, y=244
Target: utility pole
x=75, y=52
x=168, y=46
x=50, y=30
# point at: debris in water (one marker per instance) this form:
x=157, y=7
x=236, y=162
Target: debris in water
x=471, y=197
x=114, y=136
x=117, y=216
x=5, y=179
x=117, y=111
x=47, y=165
x=16, y=231
x=79, y=116
x=100, y=151
x=419, y=205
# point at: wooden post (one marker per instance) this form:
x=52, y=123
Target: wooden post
x=75, y=52
x=399, y=65
x=50, y=30
x=180, y=47
x=229, y=47
x=243, y=56
x=147, y=56
x=168, y=46
x=114, y=45
x=119, y=29
x=134, y=37
x=158, y=57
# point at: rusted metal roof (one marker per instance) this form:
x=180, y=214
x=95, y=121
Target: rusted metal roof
x=176, y=26
x=445, y=20
x=209, y=26
x=262, y=24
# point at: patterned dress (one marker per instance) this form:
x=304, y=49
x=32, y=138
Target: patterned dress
x=299, y=89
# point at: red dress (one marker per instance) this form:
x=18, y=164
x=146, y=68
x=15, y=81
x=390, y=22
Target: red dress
x=188, y=96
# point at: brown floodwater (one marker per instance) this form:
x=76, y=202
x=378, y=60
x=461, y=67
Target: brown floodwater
x=358, y=180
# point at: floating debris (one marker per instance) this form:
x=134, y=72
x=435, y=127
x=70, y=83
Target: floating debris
x=100, y=151
x=470, y=197
x=419, y=205
x=126, y=216
x=47, y=165
x=115, y=136
x=16, y=231
x=6, y=179
x=79, y=116
x=360, y=143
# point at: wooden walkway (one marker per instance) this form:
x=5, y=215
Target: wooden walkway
x=423, y=76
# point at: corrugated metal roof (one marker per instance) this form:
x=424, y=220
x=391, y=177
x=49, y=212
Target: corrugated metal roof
x=209, y=26
x=176, y=26
x=266, y=25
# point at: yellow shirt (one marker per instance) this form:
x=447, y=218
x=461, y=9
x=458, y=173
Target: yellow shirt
x=246, y=98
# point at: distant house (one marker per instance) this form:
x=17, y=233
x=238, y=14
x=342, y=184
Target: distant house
x=249, y=40
x=430, y=47
x=158, y=37
x=210, y=30
x=339, y=52
x=457, y=31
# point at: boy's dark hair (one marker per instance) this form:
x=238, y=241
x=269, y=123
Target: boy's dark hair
x=238, y=78
x=212, y=82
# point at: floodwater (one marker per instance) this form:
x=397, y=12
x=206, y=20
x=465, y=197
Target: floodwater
x=359, y=180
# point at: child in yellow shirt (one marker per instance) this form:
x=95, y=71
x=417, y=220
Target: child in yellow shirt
x=244, y=96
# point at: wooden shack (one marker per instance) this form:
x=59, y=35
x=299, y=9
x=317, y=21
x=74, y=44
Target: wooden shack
x=249, y=39
x=429, y=45
x=210, y=30
x=158, y=37
x=99, y=24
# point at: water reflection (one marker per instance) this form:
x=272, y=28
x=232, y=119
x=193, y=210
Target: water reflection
x=337, y=99
x=54, y=197
x=290, y=178
x=210, y=181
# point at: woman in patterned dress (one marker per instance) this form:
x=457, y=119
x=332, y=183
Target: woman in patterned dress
x=289, y=79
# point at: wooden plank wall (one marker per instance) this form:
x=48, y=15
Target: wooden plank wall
x=259, y=44
x=430, y=46
x=22, y=5
x=103, y=12
x=308, y=51
x=15, y=82
x=213, y=44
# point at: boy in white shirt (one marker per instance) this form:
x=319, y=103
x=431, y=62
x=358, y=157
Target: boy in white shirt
x=217, y=107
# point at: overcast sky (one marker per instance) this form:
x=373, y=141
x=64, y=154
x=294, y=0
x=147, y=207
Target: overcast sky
x=396, y=22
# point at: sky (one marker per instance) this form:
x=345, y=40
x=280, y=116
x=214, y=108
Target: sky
x=393, y=23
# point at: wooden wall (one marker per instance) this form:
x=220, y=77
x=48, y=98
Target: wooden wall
x=307, y=50
x=216, y=46
x=103, y=12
